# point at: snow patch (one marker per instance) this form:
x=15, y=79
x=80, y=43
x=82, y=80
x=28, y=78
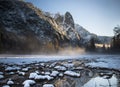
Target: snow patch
x=43, y=77
x=12, y=68
x=68, y=65
x=72, y=73
x=21, y=73
x=10, y=82
x=54, y=73
x=6, y=86
x=1, y=73
x=62, y=68
x=1, y=76
x=27, y=83
x=25, y=69
x=48, y=85
x=32, y=75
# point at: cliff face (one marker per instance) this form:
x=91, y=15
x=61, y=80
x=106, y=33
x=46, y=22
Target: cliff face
x=23, y=27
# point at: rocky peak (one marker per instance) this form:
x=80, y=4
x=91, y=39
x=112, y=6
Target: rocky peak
x=69, y=19
x=66, y=23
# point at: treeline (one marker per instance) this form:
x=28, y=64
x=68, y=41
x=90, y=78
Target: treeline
x=115, y=44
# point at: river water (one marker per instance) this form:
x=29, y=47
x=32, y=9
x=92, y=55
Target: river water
x=98, y=78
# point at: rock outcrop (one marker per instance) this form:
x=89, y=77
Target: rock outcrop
x=67, y=24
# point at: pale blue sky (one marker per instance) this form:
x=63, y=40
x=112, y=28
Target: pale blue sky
x=97, y=16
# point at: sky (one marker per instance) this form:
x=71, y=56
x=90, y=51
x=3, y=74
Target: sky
x=97, y=16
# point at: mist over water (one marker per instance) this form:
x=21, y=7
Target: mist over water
x=72, y=51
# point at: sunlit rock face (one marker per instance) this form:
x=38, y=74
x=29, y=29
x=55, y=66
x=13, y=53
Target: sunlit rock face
x=25, y=27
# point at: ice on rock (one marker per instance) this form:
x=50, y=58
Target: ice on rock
x=27, y=83
x=32, y=75
x=54, y=73
x=72, y=73
x=1, y=76
x=10, y=82
x=62, y=68
x=48, y=85
x=43, y=77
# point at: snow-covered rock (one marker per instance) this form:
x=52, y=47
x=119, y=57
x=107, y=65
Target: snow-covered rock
x=61, y=74
x=11, y=73
x=25, y=69
x=1, y=73
x=14, y=68
x=21, y=73
x=47, y=73
x=42, y=72
x=42, y=64
x=37, y=72
x=6, y=86
x=48, y=85
x=27, y=83
x=43, y=77
x=72, y=73
x=1, y=76
x=62, y=68
x=32, y=75
x=68, y=65
x=10, y=82
x=54, y=73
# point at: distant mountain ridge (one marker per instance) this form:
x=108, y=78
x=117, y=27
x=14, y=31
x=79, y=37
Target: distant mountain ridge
x=25, y=28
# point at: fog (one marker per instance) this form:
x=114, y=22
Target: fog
x=71, y=51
